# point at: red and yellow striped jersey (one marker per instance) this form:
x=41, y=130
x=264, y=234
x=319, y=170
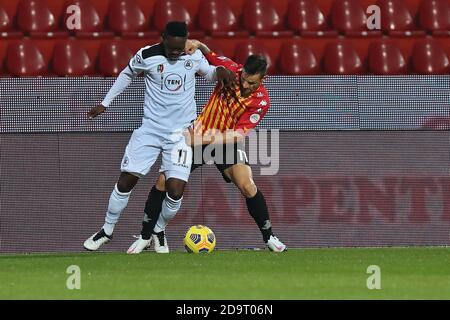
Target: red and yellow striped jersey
x=231, y=111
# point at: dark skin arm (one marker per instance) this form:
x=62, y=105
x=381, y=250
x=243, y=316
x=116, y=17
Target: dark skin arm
x=226, y=78
x=95, y=111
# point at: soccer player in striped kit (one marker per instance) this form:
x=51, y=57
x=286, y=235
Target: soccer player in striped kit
x=226, y=117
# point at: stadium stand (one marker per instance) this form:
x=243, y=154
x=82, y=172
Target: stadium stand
x=112, y=58
x=71, y=59
x=397, y=19
x=298, y=36
x=24, y=59
x=216, y=19
x=298, y=59
x=429, y=58
x=306, y=18
x=434, y=16
x=385, y=58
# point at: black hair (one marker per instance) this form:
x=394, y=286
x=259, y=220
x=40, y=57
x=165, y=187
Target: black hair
x=256, y=64
x=176, y=29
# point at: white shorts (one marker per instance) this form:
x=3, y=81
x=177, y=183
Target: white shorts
x=144, y=147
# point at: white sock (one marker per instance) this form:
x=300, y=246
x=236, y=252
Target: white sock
x=117, y=203
x=169, y=209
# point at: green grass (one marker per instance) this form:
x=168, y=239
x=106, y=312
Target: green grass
x=406, y=273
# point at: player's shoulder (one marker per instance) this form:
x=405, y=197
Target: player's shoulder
x=261, y=96
x=152, y=51
x=196, y=56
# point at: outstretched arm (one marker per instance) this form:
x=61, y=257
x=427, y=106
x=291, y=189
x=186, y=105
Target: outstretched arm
x=134, y=67
x=119, y=86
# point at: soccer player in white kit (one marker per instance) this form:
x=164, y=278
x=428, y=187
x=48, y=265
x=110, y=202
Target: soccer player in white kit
x=169, y=108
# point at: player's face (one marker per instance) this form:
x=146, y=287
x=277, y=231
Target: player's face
x=174, y=46
x=249, y=83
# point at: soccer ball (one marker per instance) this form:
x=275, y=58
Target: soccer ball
x=199, y=239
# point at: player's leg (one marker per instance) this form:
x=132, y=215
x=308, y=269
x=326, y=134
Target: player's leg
x=153, y=206
x=154, y=202
x=241, y=176
x=177, y=161
x=138, y=158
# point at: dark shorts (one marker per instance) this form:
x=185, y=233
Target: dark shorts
x=222, y=156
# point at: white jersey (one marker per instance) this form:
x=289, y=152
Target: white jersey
x=169, y=86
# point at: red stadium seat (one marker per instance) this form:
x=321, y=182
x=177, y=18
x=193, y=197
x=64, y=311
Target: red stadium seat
x=71, y=59
x=349, y=18
x=306, y=18
x=216, y=18
x=113, y=58
x=341, y=58
x=298, y=59
x=5, y=21
x=429, y=58
x=434, y=16
x=245, y=48
x=262, y=19
x=385, y=58
x=173, y=10
x=127, y=19
x=25, y=60
x=214, y=46
x=6, y=26
x=396, y=19
x=92, y=24
x=36, y=20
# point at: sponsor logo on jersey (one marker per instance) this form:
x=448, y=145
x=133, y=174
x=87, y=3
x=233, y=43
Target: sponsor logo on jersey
x=160, y=68
x=188, y=64
x=254, y=118
x=173, y=82
x=263, y=103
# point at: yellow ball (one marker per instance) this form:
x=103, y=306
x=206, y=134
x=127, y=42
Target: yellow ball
x=199, y=239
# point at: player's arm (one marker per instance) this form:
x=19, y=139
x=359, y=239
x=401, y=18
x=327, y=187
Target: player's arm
x=225, y=78
x=213, y=58
x=256, y=111
x=134, y=67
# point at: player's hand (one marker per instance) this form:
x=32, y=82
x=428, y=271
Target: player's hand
x=95, y=111
x=226, y=78
x=191, y=46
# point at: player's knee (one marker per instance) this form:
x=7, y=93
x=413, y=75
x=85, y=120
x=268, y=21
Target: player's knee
x=175, y=188
x=161, y=183
x=248, y=189
x=126, y=182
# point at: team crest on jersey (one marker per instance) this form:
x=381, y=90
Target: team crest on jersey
x=138, y=59
x=188, y=64
x=160, y=68
x=254, y=118
x=263, y=103
x=173, y=82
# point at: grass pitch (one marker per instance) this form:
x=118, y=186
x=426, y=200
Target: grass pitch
x=406, y=273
